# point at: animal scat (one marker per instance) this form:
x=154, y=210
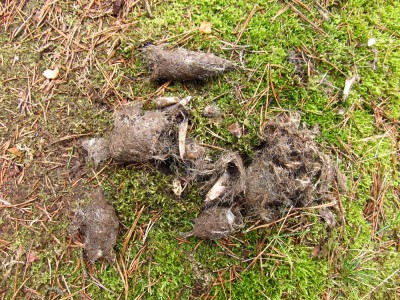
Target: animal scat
x=182, y=64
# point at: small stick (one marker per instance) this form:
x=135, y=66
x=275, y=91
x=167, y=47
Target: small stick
x=302, y=16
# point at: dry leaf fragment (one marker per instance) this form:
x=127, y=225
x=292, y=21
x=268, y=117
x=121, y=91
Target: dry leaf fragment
x=347, y=86
x=205, y=27
x=15, y=151
x=165, y=101
x=235, y=129
x=177, y=187
x=218, y=188
x=371, y=42
x=185, y=100
x=51, y=74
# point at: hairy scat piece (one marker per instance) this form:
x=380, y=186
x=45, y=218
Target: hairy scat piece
x=288, y=170
x=98, y=226
x=97, y=149
x=181, y=64
x=216, y=223
x=140, y=135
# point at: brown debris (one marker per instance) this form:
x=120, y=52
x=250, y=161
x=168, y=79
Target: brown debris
x=288, y=171
x=211, y=111
x=216, y=223
x=117, y=6
x=236, y=130
x=182, y=64
x=328, y=216
x=193, y=150
x=98, y=226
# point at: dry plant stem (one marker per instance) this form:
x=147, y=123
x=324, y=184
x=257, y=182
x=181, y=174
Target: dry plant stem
x=183, y=127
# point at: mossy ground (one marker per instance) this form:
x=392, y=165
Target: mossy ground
x=296, y=258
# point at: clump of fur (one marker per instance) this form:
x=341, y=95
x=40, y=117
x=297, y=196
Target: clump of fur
x=216, y=223
x=98, y=226
x=182, y=64
x=288, y=170
x=97, y=149
x=138, y=135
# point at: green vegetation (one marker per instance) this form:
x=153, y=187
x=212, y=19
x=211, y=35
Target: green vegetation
x=296, y=258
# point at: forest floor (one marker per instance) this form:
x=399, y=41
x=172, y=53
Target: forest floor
x=292, y=55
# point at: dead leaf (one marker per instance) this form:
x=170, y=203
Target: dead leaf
x=185, y=100
x=177, y=187
x=328, y=216
x=31, y=257
x=371, y=42
x=236, y=130
x=205, y=27
x=51, y=74
x=347, y=86
x=165, y=101
x=15, y=151
x=218, y=188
